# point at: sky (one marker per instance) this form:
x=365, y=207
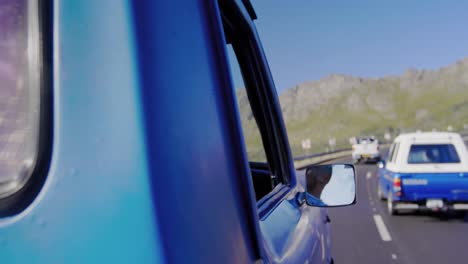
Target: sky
x=341, y=189
x=306, y=40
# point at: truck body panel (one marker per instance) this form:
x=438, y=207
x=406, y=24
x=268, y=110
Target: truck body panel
x=148, y=161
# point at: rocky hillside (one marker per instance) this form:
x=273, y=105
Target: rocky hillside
x=343, y=106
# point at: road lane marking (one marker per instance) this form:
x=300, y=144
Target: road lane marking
x=394, y=256
x=369, y=175
x=372, y=202
x=373, y=209
x=383, y=231
x=322, y=239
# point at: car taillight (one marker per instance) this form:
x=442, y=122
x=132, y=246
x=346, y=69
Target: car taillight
x=397, y=186
x=19, y=93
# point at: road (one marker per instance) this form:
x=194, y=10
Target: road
x=366, y=233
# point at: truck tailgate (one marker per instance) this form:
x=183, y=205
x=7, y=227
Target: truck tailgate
x=366, y=148
x=449, y=186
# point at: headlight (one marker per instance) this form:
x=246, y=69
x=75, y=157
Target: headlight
x=20, y=85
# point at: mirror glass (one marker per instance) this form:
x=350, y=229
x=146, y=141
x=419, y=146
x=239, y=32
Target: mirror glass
x=331, y=185
x=381, y=164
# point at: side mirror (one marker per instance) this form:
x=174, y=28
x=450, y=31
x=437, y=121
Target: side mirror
x=381, y=164
x=331, y=185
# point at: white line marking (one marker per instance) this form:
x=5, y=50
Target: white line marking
x=383, y=231
x=323, y=247
x=369, y=175
x=373, y=209
x=372, y=202
x=394, y=256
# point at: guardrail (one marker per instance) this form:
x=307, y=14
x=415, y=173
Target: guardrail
x=319, y=154
x=303, y=161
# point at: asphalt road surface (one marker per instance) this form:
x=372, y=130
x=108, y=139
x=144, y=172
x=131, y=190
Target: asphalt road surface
x=366, y=233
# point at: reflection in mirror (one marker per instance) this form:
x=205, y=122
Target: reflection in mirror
x=331, y=185
x=381, y=164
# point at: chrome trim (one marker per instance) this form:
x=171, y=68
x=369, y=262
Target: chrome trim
x=406, y=206
x=460, y=206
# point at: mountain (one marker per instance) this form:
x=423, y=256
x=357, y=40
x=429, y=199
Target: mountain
x=342, y=106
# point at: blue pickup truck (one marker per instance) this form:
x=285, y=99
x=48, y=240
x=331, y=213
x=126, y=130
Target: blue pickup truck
x=121, y=140
x=425, y=171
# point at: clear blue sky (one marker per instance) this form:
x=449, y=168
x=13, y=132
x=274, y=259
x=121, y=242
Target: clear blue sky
x=309, y=39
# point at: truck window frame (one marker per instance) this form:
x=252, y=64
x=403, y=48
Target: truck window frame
x=395, y=153
x=240, y=32
x=22, y=198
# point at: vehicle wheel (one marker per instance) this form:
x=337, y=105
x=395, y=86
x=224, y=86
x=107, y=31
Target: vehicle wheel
x=380, y=192
x=391, y=206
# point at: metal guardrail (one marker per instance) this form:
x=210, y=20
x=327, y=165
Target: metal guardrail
x=299, y=158
x=303, y=162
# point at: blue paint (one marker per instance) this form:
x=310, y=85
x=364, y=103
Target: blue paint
x=95, y=206
x=148, y=162
x=417, y=187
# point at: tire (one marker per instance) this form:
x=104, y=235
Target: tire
x=391, y=206
x=380, y=192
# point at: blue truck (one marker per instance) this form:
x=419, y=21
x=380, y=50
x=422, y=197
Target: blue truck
x=425, y=171
x=121, y=140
